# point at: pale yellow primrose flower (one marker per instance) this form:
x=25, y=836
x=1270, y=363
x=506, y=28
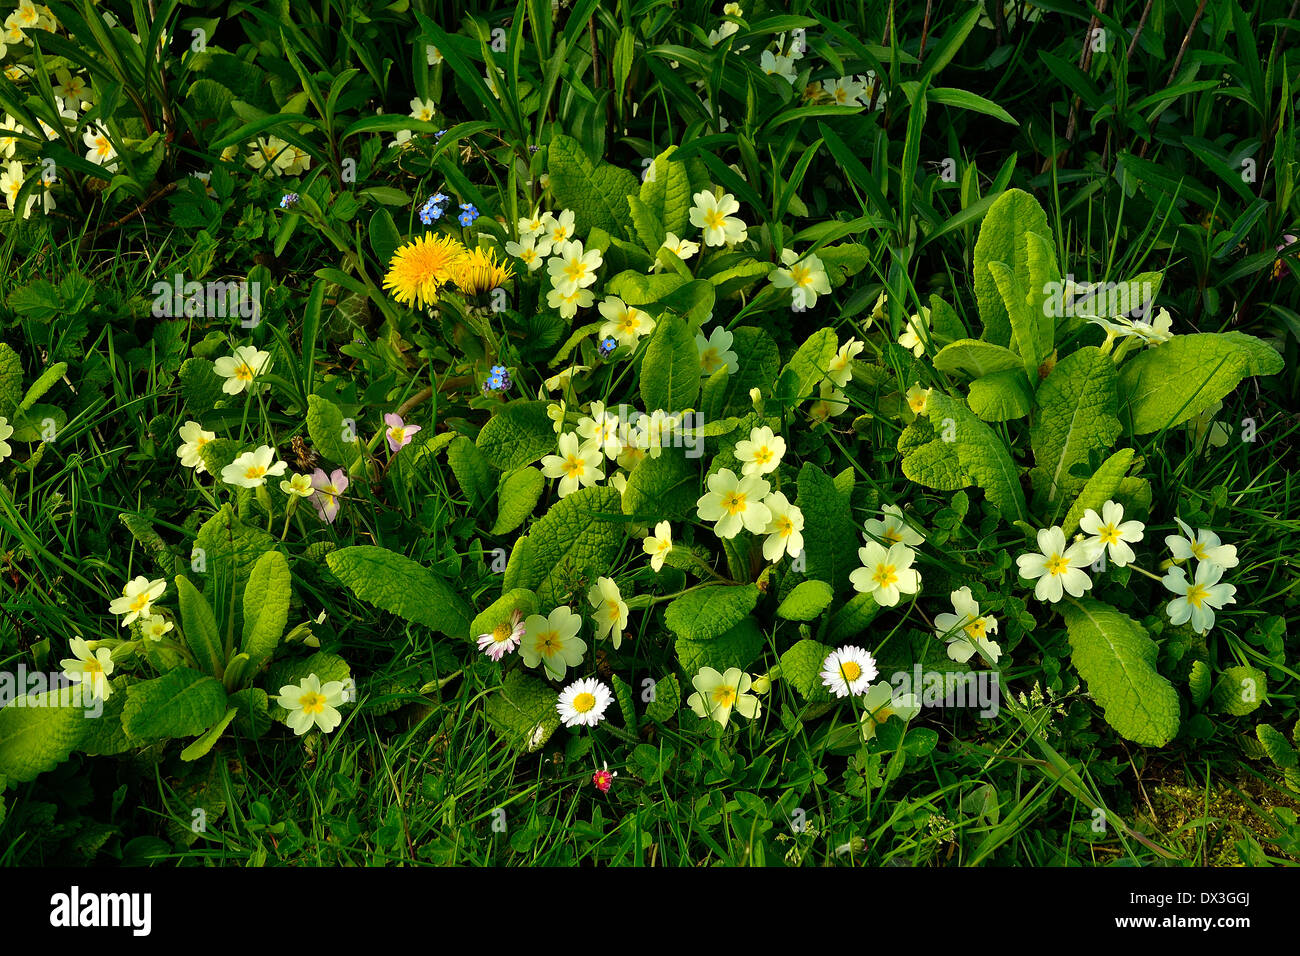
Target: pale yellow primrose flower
x=553, y=641
x=658, y=545
x=734, y=503
x=89, y=668
x=717, y=695
x=576, y=465
x=137, y=598
x=610, y=614
x=311, y=703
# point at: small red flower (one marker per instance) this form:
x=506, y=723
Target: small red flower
x=604, y=778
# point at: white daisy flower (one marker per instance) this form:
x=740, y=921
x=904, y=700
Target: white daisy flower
x=583, y=703
x=847, y=671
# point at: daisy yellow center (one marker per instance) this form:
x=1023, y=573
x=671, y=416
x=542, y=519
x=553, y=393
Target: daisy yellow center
x=254, y=472
x=850, y=670
x=724, y=696
x=574, y=466
x=548, y=643
x=584, y=702
x=714, y=219
x=733, y=502
x=502, y=632
x=886, y=575
x=1057, y=565
x=312, y=703
x=1197, y=594
x=784, y=526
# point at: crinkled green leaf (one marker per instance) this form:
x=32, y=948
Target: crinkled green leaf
x=42, y=385
x=1031, y=331
x=266, y=608
x=517, y=495
x=11, y=380
x=523, y=711
x=329, y=435
x=973, y=359
x=705, y=613
x=39, y=731
x=202, y=636
x=1200, y=682
x=810, y=363
x=471, y=469
x=1099, y=489
x=852, y=619
x=1076, y=418
x=596, y=192
x=395, y=583
x=1277, y=747
x=806, y=602
x=757, y=360
x=1240, y=690
x=1174, y=382
x=518, y=434
x=1001, y=396
x=230, y=547
x=670, y=371
x=667, y=699
x=1113, y=653
x=181, y=703
x=738, y=647
x=830, y=537
x=1002, y=238
x=205, y=743
x=664, y=488
x=980, y=453
x=801, y=667
x=574, y=540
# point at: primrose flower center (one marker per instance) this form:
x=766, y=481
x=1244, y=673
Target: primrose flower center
x=243, y=372
x=724, y=696
x=892, y=535
x=850, y=670
x=574, y=466
x=784, y=526
x=1198, y=550
x=529, y=256
x=733, y=502
x=102, y=145
x=629, y=322
x=254, y=472
x=763, y=455
x=886, y=575
x=312, y=703
x=1196, y=595
x=1057, y=565
x=611, y=608
x=548, y=643
x=576, y=270
x=802, y=275
x=710, y=359
x=714, y=219
x=975, y=630
x=93, y=667
x=140, y=600
x=584, y=702
x=1109, y=534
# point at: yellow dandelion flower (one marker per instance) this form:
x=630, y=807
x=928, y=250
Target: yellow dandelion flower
x=420, y=267
x=479, y=271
